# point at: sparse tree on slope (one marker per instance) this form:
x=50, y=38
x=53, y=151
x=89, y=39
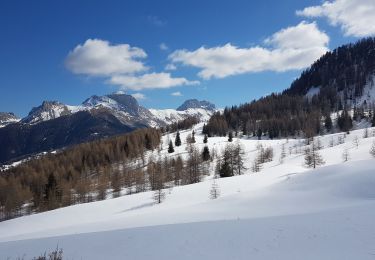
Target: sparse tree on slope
x=312, y=157
x=177, y=141
x=206, y=154
x=282, y=154
x=345, y=155
x=170, y=147
x=205, y=139
x=215, y=190
x=356, y=141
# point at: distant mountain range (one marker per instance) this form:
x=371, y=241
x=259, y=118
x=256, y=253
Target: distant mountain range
x=54, y=125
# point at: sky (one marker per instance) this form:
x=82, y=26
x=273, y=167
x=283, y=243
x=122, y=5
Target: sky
x=164, y=52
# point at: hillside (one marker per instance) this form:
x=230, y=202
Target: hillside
x=284, y=211
x=339, y=81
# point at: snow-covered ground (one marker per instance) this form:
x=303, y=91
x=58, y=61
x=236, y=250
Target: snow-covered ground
x=286, y=211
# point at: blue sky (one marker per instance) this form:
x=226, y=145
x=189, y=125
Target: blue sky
x=228, y=52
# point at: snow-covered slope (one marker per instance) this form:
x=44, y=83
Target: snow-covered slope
x=367, y=98
x=286, y=211
x=169, y=116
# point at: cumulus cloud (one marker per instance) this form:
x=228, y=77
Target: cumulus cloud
x=139, y=96
x=176, y=94
x=355, y=17
x=149, y=81
x=289, y=49
x=120, y=65
x=99, y=58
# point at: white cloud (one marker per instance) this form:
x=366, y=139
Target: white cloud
x=355, y=17
x=163, y=46
x=170, y=66
x=99, y=58
x=139, y=96
x=176, y=94
x=149, y=81
x=289, y=49
x=120, y=65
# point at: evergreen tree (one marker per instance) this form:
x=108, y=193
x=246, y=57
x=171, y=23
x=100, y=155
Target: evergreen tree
x=177, y=141
x=205, y=139
x=225, y=169
x=170, y=147
x=206, y=154
x=328, y=123
x=344, y=121
x=193, y=137
x=230, y=136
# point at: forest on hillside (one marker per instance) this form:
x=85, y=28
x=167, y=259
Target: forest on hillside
x=341, y=76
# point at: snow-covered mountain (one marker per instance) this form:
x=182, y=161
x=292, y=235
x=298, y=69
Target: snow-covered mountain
x=7, y=118
x=125, y=108
x=46, y=111
x=54, y=125
x=168, y=116
x=202, y=110
x=285, y=211
x=196, y=104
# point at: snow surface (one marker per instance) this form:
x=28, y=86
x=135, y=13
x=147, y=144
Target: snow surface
x=169, y=116
x=286, y=211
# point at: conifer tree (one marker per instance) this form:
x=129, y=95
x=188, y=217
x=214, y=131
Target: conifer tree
x=328, y=122
x=170, y=147
x=193, y=137
x=230, y=136
x=205, y=139
x=225, y=169
x=206, y=154
x=177, y=141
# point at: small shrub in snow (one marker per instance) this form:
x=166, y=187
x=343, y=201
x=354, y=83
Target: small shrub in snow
x=215, y=190
x=345, y=155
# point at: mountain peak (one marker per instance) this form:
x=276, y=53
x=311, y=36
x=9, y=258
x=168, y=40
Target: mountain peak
x=7, y=118
x=195, y=103
x=46, y=111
